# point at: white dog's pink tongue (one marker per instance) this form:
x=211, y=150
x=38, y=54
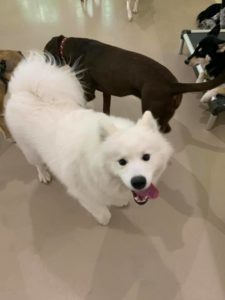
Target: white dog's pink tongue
x=143, y=196
x=152, y=192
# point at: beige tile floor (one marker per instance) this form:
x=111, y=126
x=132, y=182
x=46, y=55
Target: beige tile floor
x=170, y=249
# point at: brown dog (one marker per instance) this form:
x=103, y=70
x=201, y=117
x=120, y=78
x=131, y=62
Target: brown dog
x=119, y=72
x=8, y=61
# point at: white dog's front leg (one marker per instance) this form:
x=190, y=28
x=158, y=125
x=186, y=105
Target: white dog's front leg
x=100, y=212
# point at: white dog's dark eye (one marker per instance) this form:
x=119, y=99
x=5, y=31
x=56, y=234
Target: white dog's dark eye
x=146, y=157
x=122, y=161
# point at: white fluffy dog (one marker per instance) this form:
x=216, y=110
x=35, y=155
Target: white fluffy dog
x=98, y=158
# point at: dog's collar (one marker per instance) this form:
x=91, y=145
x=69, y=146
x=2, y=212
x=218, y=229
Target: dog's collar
x=61, y=48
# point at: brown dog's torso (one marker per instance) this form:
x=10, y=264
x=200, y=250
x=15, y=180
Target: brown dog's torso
x=119, y=72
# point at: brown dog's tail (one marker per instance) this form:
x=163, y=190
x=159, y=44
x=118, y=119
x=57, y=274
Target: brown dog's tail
x=180, y=88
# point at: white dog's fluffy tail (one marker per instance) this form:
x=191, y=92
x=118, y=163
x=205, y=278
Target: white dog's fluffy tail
x=44, y=79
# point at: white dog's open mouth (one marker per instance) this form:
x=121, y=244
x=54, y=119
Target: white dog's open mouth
x=141, y=197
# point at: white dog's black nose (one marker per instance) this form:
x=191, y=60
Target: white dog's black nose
x=138, y=182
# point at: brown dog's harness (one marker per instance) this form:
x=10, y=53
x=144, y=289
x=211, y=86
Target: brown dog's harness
x=61, y=49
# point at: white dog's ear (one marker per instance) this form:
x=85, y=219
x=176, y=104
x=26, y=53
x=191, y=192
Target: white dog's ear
x=148, y=120
x=106, y=130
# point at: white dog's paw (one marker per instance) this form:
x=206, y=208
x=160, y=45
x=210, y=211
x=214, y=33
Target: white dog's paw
x=44, y=175
x=103, y=216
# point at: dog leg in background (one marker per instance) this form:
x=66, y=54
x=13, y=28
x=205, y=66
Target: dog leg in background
x=100, y=212
x=129, y=11
x=84, y=4
x=106, y=103
x=135, y=8
x=208, y=95
x=201, y=77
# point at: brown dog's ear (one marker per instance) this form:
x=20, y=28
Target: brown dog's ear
x=53, y=45
x=60, y=38
x=148, y=120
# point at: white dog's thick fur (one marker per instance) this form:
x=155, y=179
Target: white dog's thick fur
x=82, y=148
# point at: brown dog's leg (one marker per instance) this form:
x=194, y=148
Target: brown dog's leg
x=106, y=103
x=159, y=103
